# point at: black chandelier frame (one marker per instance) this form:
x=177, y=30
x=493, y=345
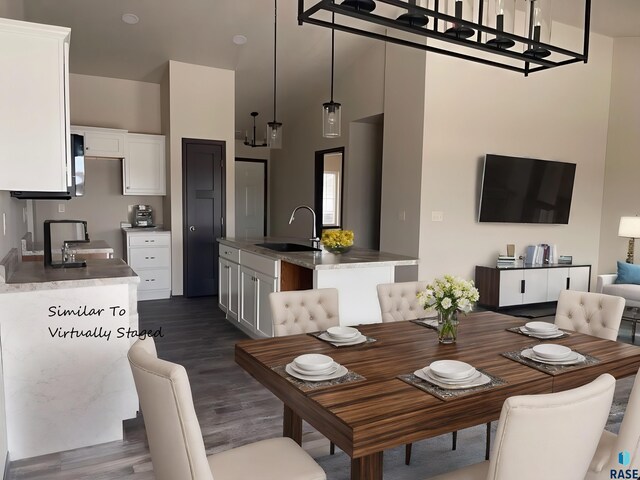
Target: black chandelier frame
x=531, y=63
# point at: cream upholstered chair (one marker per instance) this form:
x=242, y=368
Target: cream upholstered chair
x=628, y=438
x=398, y=301
x=548, y=436
x=303, y=311
x=595, y=314
x=175, y=438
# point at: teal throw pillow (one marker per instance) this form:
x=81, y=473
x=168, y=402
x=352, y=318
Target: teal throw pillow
x=628, y=273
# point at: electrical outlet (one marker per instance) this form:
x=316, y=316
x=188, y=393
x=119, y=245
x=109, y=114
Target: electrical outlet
x=437, y=216
x=61, y=207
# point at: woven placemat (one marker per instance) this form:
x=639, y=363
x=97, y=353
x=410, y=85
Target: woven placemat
x=427, y=322
x=337, y=345
x=306, y=386
x=516, y=356
x=517, y=330
x=446, y=394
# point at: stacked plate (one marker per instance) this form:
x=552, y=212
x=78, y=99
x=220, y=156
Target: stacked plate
x=553, y=354
x=315, y=367
x=541, y=330
x=452, y=374
x=343, y=336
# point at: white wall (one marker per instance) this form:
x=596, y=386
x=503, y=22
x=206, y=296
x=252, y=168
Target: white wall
x=622, y=174
x=201, y=105
x=12, y=9
x=472, y=110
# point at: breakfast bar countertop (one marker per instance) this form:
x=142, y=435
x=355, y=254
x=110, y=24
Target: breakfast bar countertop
x=323, y=260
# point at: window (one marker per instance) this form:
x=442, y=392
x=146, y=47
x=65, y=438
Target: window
x=330, y=198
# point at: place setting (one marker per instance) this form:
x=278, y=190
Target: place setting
x=342, y=336
x=550, y=357
x=314, y=370
x=540, y=330
x=451, y=378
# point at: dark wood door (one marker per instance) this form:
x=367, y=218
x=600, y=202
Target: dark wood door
x=203, y=196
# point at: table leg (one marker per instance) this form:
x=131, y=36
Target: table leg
x=292, y=425
x=367, y=468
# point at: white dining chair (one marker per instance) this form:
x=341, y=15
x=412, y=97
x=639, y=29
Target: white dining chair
x=547, y=436
x=595, y=314
x=175, y=438
x=627, y=439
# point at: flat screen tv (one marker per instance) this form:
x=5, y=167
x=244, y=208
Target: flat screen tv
x=524, y=190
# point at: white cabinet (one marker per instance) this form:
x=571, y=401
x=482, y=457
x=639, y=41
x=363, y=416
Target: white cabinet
x=34, y=101
x=228, y=281
x=148, y=253
x=144, y=165
x=102, y=142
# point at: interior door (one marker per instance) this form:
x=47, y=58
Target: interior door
x=203, y=197
x=251, y=198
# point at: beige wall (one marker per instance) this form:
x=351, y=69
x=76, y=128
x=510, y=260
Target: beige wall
x=472, y=110
x=201, y=105
x=16, y=227
x=115, y=103
x=622, y=174
x=12, y=9
x=260, y=153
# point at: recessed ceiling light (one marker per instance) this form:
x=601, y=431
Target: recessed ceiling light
x=130, y=18
x=239, y=39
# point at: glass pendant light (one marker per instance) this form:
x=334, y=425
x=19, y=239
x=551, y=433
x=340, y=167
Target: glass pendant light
x=538, y=27
x=274, y=129
x=331, y=111
x=501, y=16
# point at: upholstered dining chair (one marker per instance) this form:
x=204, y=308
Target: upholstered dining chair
x=628, y=439
x=304, y=311
x=398, y=302
x=547, y=436
x=595, y=314
x=175, y=438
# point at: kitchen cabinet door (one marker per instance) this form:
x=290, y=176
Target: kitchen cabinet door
x=144, y=165
x=248, y=292
x=535, y=289
x=557, y=281
x=223, y=285
x=266, y=285
x=105, y=143
x=234, y=290
x=579, y=278
x=34, y=101
x=511, y=287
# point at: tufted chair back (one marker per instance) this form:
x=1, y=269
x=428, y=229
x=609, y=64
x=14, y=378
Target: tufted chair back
x=595, y=314
x=398, y=301
x=304, y=311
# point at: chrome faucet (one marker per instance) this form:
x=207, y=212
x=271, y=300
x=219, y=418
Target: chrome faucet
x=315, y=241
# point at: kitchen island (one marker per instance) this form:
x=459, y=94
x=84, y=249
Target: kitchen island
x=248, y=272
x=65, y=334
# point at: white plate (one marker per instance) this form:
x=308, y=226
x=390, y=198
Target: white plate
x=343, y=333
x=481, y=380
x=573, y=359
x=551, y=351
x=340, y=372
x=451, y=369
x=470, y=379
x=318, y=373
x=541, y=327
x=312, y=362
x=350, y=341
x=555, y=334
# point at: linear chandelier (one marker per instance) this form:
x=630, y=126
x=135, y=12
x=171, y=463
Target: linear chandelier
x=479, y=27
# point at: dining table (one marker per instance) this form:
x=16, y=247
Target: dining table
x=380, y=405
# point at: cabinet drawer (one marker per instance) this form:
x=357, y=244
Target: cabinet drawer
x=149, y=240
x=261, y=264
x=148, y=257
x=230, y=253
x=154, y=279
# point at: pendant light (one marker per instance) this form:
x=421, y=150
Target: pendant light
x=274, y=129
x=253, y=143
x=331, y=111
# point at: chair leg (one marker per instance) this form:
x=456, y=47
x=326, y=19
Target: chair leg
x=486, y=454
x=407, y=453
x=454, y=440
x=332, y=448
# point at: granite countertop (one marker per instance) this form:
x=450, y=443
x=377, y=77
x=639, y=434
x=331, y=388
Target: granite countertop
x=156, y=229
x=355, y=258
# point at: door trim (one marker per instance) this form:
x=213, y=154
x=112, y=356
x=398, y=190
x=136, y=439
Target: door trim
x=266, y=194
x=317, y=186
x=223, y=206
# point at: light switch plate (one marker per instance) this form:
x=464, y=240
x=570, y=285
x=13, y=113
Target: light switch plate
x=437, y=216
x=61, y=208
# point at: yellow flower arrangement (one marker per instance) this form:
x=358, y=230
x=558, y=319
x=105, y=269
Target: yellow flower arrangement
x=337, y=238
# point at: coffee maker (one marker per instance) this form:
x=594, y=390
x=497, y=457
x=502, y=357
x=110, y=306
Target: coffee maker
x=142, y=216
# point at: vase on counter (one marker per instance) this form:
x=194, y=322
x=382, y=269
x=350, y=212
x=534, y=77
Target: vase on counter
x=448, y=326
x=338, y=249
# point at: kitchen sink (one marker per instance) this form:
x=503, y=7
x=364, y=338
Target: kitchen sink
x=287, y=247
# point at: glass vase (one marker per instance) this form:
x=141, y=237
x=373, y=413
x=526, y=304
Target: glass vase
x=448, y=327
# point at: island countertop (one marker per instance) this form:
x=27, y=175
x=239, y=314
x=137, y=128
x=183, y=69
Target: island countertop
x=355, y=258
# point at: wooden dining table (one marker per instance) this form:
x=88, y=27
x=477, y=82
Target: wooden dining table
x=381, y=411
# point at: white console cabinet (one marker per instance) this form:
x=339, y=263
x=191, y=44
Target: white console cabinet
x=148, y=253
x=506, y=287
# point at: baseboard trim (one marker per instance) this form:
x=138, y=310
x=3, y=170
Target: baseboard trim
x=5, y=474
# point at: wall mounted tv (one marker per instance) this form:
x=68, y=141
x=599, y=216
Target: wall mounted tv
x=524, y=190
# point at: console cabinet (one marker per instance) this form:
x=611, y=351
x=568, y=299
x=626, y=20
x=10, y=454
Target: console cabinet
x=259, y=276
x=506, y=287
x=148, y=253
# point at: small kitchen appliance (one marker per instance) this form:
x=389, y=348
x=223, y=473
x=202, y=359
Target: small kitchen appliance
x=142, y=216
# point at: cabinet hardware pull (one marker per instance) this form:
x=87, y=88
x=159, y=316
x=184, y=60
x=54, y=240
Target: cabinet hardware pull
x=568, y=283
x=522, y=288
